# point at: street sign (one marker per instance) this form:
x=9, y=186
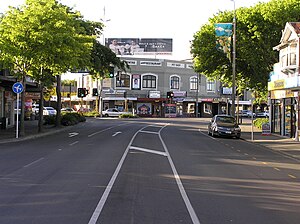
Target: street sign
x=18, y=87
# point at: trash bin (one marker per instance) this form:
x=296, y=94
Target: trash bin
x=4, y=121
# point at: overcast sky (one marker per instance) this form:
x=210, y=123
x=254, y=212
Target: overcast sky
x=178, y=20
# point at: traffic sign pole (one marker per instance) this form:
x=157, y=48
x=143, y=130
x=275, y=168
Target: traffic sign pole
x=17, y=88
x=17, y=126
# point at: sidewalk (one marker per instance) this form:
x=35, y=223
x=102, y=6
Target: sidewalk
x=31, y=132
x=280, y=144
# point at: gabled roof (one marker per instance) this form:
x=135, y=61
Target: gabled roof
x=296, y=26
x=290, y=33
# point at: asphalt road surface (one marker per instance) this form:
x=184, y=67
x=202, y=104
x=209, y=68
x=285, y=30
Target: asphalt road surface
x=142, y=171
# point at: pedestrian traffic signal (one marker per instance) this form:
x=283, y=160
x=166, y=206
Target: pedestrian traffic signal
x=170, y=95
x=111, y=71
x=95, y=92
x=81, y=92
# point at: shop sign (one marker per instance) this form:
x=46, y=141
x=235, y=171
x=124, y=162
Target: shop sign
x=154, y=94
x=278, y=84
x=179, y=93
x=266, y=129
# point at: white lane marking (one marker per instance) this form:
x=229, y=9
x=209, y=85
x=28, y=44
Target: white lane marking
x=184, y=195
x=148, y=150
x=104, y=197
x=98, y=132
x=72, y=134
x=115, y=134
x=208, y=135
x=36, y=161
x=73, y=143
x=150, y=132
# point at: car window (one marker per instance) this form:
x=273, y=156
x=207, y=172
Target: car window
x=115, y=110
x=229, y=120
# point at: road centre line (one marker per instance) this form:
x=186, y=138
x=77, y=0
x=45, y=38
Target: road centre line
x=183, y=193
x=100, y=205
x=148, y=150
x=36, y=161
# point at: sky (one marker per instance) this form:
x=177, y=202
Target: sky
x=178, y=20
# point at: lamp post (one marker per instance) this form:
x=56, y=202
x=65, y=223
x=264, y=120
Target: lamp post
x=104, y=20
x=233, y=62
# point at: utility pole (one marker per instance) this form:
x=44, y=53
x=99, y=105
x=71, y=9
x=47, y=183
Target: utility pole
x=233, y=63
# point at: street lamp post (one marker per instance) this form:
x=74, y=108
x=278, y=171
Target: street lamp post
x=104, y=20
x=233, y=62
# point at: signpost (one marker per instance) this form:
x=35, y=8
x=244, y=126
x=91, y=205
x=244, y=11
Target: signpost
x=17, y=88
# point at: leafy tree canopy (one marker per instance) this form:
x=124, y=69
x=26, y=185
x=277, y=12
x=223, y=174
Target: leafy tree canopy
x=258, y=30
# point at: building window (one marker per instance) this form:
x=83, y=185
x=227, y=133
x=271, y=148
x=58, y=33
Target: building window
x=211, y=86
x=149, y=81
x=174, y=81
x=193, y=83
x=293, y=59
x=122, y=80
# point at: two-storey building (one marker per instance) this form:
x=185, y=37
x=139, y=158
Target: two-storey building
x=284, y=84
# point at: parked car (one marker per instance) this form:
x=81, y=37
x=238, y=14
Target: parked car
x=224, y=125
x=246, y=113
x=68, y=109
x=35, y=109
x=113, y=112
x=263, y=114
x=49, y=111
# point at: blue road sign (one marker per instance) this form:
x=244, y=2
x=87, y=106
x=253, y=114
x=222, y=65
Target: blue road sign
x=18, y=87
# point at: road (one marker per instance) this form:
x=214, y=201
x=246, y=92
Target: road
x=162, y=171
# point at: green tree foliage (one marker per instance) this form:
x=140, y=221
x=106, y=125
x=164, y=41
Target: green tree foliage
x=259, y=29
x=102, y=58
x=44, y=38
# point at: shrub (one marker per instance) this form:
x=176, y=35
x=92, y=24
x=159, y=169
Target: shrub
x=259, y=121
x=128, y=116
x=91, y=114
x=48, y=120
x=68, y=119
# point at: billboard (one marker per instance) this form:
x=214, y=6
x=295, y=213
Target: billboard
x=140, y=46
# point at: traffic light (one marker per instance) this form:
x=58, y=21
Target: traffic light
x=170, y=95
x=95, y=92
x=111, y=71
x=81, y=92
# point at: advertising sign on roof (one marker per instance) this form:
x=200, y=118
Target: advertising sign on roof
x=140, y=46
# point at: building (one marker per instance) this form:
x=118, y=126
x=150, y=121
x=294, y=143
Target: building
x=144, y=88
x=284, y=84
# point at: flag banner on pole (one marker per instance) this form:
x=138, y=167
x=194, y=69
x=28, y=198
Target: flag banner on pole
x=223, y=29
x=223, y=33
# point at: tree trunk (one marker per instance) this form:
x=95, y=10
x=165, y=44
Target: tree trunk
x=58, y=94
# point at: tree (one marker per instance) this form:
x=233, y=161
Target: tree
x=43, y=39
x=258, y=31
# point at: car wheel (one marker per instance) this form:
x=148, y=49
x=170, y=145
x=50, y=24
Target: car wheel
x=106, y=115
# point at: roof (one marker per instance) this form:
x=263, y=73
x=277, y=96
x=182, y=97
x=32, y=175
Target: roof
x=291, y=33
x=296, y=26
